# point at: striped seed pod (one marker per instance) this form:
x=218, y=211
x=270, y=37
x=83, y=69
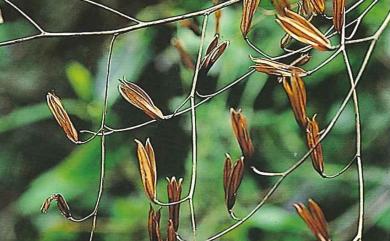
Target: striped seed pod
x=140, y=99
x=62, y=205
x=147, y=167
x=248, y=10
x=154, y=224
x=302, y=30
x=312, y=139
x=240, y=129
x=271, y=67
x=338, y=14
x=174, y=188
x=314, y=219
x=232, y=177
x=171, y=233
x=213, y=52
x=61, y=116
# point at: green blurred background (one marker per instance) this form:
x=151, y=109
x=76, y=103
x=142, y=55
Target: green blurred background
x=37, y=160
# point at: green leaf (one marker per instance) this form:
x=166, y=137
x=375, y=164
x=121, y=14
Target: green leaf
x=80, y=79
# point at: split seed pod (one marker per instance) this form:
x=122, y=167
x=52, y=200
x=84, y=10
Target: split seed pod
x=147, y=167
x=271, y=67
x=312, y=138
x=314, y=219
x=240, y=129
x=232, y=177
x=62, y=205
x=213, y=52
x=174, y=188
x=62, y=117
x=154, y=224
x=171, y=233
x=302, y=30
x=140, y=99
x=184, y=55
x=296, y=92
x=248, y=10
x=338, y=14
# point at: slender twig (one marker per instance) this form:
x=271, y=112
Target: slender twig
x=112, y=10
x=26, y=16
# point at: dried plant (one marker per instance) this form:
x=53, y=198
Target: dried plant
x=295, y=19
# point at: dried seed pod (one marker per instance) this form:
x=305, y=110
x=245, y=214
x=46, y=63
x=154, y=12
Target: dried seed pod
x=302, y=30
x=232, y=177
x=296, y=92
x=62, y=118
x=338, y=14
x=213, y=52
x=248, y=10
x=62, y=205
x=147, y=167
x=312, y=138
x=314, y=219
x=314, y=7
x=140, y=99
x=191, y=24
x=171, y=233
x=174, y=188
x=240, y=129
x=276, y=68
x=154, y=224
x=184, y=55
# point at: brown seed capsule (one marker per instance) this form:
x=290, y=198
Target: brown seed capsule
x=248, y=10
x=213, y=52
x=302, y=30
x=285, y=40
x=312, y=138
x=240, y=129
x=154, y=225
x=171, y=233
x=62, y=205
x=276, y=68
x=138, y=97
x=314, y=219
x=232, y=177
x=296, y=92
x=174, y=188
x=62, y=117
x=147, y=166
x=191, y=24
x=301, y=60
x=184, y=55
x=338, y=14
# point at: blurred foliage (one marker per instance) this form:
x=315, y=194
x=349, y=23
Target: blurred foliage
x=37, y=160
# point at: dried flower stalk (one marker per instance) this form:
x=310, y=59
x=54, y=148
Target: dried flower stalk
x=191, y=24
x=62, y=205
x=217, y=15
x=232, y=177
x=62, y=118
x=240, y=129
x=174, y=189
x=312, y=138
x=248, y=10
x=147, y=166
x=314, y=219
x=302, y=30
x=140, y=99
x=296, y=92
